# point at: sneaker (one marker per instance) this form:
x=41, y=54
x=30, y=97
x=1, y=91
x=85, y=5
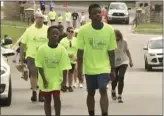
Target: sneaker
x=41, y=98
x=107, y=86
x=70, y=89
x=114, y=97
x=75, y=85
x=81, y=85
x=34, y=96
x=64, y=89
x=120, y=99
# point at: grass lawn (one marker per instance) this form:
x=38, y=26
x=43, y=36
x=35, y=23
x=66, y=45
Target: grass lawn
x=14, y=29
x=14, y=23
x=14, y=32
x=152, y=28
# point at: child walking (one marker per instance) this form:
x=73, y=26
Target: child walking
x=52, y=62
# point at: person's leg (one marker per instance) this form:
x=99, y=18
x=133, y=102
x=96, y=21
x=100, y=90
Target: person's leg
x=57, y=102
x=91, y=81
x=114, y=84
x=75, y=77
x=103, y=80
x=64, y=84
x=70, y=78
x=33, y=73
x=122, y=71
x=47, y=103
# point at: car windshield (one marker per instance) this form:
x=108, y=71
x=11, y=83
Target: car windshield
x=117, y=6
x=156, y=44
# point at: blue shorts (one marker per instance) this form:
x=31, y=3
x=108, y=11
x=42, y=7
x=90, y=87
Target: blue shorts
x=97, y=81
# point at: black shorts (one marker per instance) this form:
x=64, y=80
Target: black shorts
x=73, y=68
x=42, y=8
x=45, y=23
x=52, y=20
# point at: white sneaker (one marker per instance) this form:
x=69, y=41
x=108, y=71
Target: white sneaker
x=81, y=85
x=107, y=86
x=75, y=85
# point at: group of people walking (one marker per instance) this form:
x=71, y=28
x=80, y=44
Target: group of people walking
x=98, y=54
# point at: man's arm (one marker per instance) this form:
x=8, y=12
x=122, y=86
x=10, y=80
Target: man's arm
x=112, y=59
x=80, y=64
x=22, y=53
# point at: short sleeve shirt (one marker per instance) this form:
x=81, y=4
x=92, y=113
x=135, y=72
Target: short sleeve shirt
x=120, y=53
x=75, y=16
x=71, y=47
x=53, y=61
x=33, y=38
x=96, y=44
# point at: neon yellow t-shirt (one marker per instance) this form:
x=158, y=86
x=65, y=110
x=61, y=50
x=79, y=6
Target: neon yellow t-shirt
x=96, y=44
x=52, y=15
x=60, y=18
x=33, y=38
x=68, y=16
x=71, y=47
x=53, y=61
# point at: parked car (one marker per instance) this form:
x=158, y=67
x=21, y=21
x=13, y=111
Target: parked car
x=6, y=82
x=153, y=53
x=118, y=12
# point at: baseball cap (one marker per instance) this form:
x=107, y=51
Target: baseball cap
x=39, y=14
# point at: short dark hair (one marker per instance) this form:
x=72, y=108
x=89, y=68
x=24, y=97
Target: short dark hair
x=118, y=33
x=68, y=28
x=52, y=27
x=60, y=26
x=92, y=6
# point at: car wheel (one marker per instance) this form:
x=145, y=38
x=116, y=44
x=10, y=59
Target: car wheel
x=7, y=101
x=147, y=66
x=127, y=22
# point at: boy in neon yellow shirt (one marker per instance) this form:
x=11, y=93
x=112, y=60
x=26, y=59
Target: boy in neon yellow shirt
x=69, y=43
x=96, y=44
x=52, y=62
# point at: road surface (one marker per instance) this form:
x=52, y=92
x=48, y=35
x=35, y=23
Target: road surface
x=142, y=93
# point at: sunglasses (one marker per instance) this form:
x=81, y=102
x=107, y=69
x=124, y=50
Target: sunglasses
x=70, y=31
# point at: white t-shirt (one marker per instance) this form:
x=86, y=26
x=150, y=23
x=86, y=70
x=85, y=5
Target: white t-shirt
x=45, y=18
x=82, y=18
x=120, y=53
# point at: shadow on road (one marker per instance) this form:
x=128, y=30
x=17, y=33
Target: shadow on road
x=143, y=70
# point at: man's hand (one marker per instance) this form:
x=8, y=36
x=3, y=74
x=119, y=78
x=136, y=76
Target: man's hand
x=131, y=64
x=113, y=75
x=45, y=84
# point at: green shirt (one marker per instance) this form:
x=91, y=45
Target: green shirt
x=53, y=61
x=71, y=47
x=96, y=44
x=33, y=38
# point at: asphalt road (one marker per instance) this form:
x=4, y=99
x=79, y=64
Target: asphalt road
x=142, y=93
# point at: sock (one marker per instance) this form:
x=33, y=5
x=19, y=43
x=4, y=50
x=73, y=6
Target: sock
x=119, y=95
x=105, y=114
x=113, y=91
x=91, y=113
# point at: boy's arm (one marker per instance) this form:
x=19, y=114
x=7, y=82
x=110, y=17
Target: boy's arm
x=41, y=71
